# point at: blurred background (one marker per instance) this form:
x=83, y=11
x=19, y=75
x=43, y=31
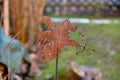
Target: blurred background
x=99, y=8
x=99, y=20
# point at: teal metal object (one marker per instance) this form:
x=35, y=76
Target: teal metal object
x=12, y=52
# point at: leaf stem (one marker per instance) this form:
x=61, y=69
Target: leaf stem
x=56, y=67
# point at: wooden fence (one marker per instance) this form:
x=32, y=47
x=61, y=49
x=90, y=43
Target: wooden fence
x=105, y=8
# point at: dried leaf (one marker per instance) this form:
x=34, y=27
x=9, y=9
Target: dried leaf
x=53, y=39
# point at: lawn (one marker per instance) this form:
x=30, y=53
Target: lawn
x=105, y=39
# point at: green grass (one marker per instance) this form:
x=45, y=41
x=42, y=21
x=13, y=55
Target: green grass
x=105, y=39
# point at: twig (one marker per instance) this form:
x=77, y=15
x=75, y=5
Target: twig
x=12, y=40
x=8, y=62
x=84, y=45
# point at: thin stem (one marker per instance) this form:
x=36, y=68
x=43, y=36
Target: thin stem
x=9, y=62
x=56, y=67
x=6, y=17
x=11, y=40
x=84, y=45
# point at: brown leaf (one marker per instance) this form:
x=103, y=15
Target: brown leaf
x=53, y=39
